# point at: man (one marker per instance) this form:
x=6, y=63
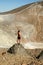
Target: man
x=18, y=37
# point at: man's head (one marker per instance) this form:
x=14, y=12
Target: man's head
x=18, y=30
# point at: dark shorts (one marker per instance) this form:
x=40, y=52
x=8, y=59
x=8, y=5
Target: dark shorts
x=19, y=37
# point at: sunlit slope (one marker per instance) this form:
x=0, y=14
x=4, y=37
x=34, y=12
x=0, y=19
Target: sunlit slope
x=29, y=19
x=5, y=40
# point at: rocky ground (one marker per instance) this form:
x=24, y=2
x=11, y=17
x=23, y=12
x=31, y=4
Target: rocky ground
x=17, y=55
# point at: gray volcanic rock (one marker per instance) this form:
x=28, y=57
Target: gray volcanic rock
x=40, y=56
x=24, y=56
x=20, y=54
x=17, y=49
x=34, y=52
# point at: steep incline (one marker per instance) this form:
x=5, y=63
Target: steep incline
x=28, y=18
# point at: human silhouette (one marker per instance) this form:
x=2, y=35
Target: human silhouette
x=18, y=36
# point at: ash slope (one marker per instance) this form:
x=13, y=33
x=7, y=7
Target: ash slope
x=28, y=18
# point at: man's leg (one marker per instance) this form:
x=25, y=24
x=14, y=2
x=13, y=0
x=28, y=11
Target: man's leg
x=19, y=40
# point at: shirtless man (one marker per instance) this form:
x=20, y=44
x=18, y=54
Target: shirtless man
x=18, y=37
